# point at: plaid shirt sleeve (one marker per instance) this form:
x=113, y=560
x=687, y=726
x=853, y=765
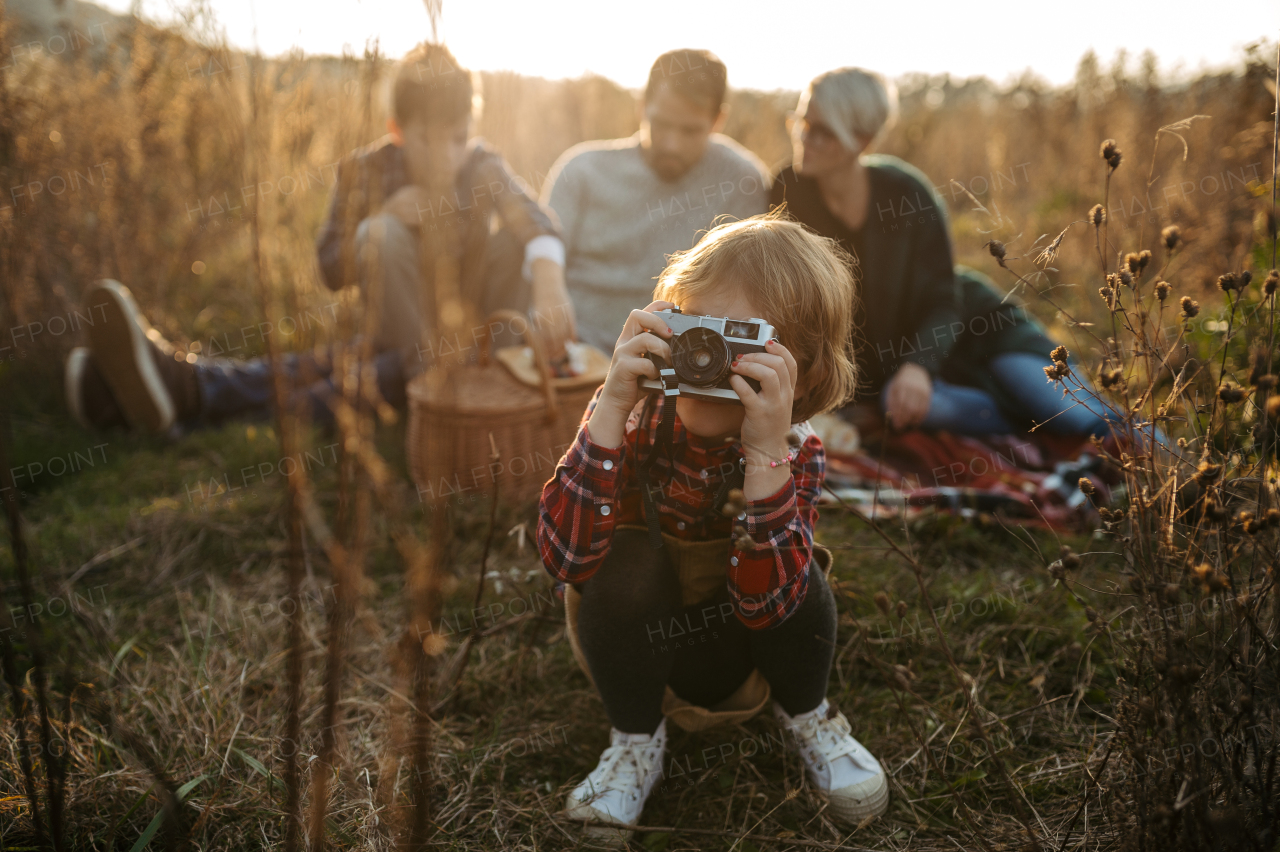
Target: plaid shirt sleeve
x=580, y=503
x=519, y=211
x=768, y=584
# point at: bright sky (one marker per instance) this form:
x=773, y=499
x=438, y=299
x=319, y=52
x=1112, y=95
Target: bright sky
x=766, y=45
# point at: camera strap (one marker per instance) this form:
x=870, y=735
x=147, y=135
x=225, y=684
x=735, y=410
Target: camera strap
x=664, y=442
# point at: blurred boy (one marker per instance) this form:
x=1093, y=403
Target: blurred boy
x=425, y=175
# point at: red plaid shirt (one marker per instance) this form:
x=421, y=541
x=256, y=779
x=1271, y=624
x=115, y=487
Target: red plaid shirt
x=594, y=489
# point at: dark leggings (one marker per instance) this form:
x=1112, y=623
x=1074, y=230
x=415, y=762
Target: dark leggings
x=638, y=639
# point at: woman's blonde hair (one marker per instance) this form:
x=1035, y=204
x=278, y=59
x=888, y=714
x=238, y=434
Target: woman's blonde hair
x=855, y=102
x=800, y=283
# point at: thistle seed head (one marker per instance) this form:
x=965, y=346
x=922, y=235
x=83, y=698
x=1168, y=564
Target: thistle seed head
x=1057, y=371
x=1110, y=378
x=1070, y=559
x=1230, y=392
x=1171, y=235
x=1162, y=290
x=736, y=503
x=997, y=249
x=1131, y=261
x=1207, y=472
x=1111, y=153
x=882, y=602
x=1190, y=307
x=1086, y=486
x=742, y=539
x=1098, y=215
x=1059, y=355
x=1273, y=281
x=1228, y=282
x=1214, y=511
x=1125, y=278
x=1108, y=149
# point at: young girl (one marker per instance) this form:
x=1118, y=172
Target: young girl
x=653, y=633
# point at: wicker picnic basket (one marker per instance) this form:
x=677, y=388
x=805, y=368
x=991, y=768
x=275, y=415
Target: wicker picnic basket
x=465, y=415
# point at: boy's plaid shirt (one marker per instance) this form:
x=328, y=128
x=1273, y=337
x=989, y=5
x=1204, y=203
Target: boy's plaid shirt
x=369, y=176
x=594, y=489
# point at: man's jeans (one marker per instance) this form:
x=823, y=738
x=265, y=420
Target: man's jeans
x=405, y=343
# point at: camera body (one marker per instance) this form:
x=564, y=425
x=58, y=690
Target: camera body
x=702, y=349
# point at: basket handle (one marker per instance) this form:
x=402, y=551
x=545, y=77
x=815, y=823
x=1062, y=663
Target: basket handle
x=533, y=340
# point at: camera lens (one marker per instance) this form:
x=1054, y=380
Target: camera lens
x=701, y=357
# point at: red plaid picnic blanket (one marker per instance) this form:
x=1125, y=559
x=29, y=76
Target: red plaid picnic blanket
x=1027, y=478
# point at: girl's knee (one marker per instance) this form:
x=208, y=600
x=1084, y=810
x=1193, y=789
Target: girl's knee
x=819, y=597
x=632, y=579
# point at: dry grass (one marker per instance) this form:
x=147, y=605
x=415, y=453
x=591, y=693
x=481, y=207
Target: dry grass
x=171, y=664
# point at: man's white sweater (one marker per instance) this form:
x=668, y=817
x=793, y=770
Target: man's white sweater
x=620, y=220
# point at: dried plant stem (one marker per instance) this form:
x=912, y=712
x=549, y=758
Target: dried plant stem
x=465, y=651
x=256, y=144
x=1091, y=781
x=440, y=255
x=964, y=682
x=962, y=807
x=1269, y=429
x=346, y=575
x=346, y=558
x=711, y=832
x=17, y=693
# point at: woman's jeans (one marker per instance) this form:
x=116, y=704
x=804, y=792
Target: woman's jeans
x=971, y=411
x=638, y=639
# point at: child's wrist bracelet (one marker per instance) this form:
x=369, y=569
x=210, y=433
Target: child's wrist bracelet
x=787, y=459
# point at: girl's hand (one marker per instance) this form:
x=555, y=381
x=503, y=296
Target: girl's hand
x=643, y=332
x=768, y=417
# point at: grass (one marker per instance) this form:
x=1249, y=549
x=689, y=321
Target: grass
x=182, y=635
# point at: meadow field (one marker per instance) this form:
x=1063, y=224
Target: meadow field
x=193, y=653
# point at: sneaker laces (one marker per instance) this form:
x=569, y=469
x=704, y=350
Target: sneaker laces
x=627, y=765
x=829, y=737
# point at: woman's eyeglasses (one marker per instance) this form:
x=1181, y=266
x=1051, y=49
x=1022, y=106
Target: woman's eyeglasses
x=812, y=132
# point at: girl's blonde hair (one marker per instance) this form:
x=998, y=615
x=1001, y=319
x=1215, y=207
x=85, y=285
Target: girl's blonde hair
x=800, y=282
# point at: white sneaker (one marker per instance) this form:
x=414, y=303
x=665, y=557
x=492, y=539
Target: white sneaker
x=839, y=766
x=617, y=788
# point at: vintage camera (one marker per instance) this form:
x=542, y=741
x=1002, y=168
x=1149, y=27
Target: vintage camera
x=702, y=349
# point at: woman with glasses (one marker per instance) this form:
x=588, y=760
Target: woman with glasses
x=938, y=348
